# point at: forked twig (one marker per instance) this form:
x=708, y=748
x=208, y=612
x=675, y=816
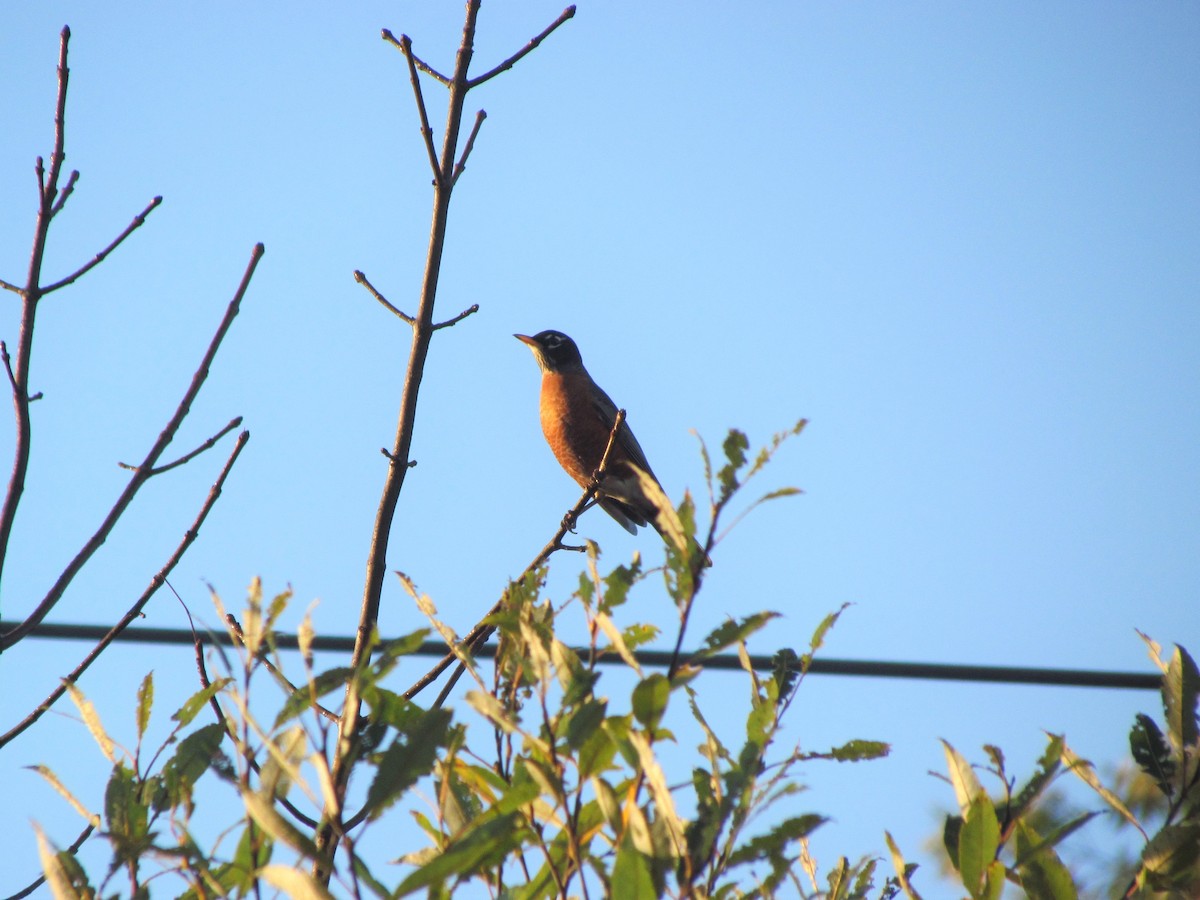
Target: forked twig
x=524, y=51
x=188, y=457
x=189, y=537
x=420, y=63
x=143, y=471
x=138, y=221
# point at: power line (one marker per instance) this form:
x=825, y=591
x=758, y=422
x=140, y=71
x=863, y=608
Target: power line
x=1092, y=678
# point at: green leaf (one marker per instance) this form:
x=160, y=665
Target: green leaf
x=771, y=846
x=730, y=632
x=1172, y=854
x=1181, y=689
x=735, y=446
x=409, y=758
x=650, y=700
x=1151, y=753
x=1043, y=874
x=192, y=758
x=487, y=842
x=306, y=694
x=978, y=841
x=145, y=700
x=125, y=814
x=857, y=750
x=1047, y=768
x=192, y=706
x=818, y=638
x=631, y=878
x=261, y=808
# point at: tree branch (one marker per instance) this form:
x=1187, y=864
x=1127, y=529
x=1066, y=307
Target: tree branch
x=420, y=63
x=567, y=13
x=426, y=130
x=188, y=457
x=362, y=279
x=189, y=537
x=138, y=221
x=470, y=310
x=143, y=471
x=481, y=632
x=47, y=189
x=462, y=160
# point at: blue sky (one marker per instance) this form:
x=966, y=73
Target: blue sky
x=963, y=240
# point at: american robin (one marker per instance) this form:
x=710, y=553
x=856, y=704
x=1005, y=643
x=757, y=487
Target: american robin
x=577, y=419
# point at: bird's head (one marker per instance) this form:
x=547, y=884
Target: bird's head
x=553, y=350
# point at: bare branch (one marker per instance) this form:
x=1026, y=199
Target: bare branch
x=187, y=457
x=567, y=13
x=405, y=45
x=9, y=286
x=470, y=310
x=50, y=188
x=189, y=536
x=142, y=472
x=362, y=279
x=137, y=222
x=462, y=160
x=420, y=63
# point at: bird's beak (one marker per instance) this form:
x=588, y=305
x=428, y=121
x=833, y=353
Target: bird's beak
x=526, y=339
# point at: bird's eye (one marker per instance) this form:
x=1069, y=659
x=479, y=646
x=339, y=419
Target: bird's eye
x=553, y=341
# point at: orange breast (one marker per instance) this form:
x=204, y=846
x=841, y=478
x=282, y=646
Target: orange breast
x=573, y=428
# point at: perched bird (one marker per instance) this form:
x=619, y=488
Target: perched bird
x=577, y=419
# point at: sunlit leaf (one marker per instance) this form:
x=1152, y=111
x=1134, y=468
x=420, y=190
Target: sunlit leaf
x=145, y=700
x=1181, y=689
x=295, y=883
x=631, y=876
x=92, y=720
x=55, y=783
x=962, y=777
x=192, y=706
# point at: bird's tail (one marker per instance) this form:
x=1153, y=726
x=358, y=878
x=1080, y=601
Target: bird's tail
x=665, y=520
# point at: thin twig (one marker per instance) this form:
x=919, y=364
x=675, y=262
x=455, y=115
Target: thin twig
x=426, y=131
x=421, y=64
x=524, y=51
x=41, y=879
x=470, y=310
x=9, y=286
x=66, y=192
x=362, y=279
x=142, y=472
x=188, y=457
x=462, y=160
x=138, y=221
x=236, y=627
x=205, y=683
x=8, y=366
x=189, y=536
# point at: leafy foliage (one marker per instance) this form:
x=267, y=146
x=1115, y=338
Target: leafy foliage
x=992, y=841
